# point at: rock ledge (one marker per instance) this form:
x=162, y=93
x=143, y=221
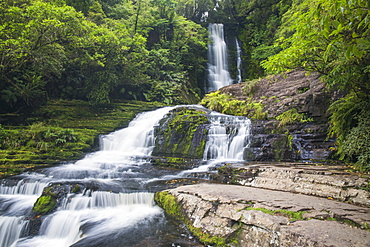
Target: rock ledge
x=247, y=216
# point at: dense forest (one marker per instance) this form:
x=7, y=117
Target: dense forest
x=156, y=50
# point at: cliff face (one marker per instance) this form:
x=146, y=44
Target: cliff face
x=273, y=141
x=184, y=131
x=282, y=92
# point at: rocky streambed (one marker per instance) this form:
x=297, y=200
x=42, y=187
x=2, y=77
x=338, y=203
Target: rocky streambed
x=275, y=205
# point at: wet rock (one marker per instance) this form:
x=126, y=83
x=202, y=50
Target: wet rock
x=51, y=197
x=305, y=141
x=260, y=217
x=279, y=93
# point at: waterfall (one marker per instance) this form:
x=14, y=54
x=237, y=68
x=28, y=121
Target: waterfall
x=228, y=136
x=24, y=188
x=116, y=205
x=218, y=74
x=10, y=229
x=138, y=137
x=238, y=61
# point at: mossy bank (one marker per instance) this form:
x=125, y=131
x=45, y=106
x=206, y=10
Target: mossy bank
x=60, y=131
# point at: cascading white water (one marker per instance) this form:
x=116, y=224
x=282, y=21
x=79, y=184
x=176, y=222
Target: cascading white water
x=98, y=216
x=238, y=61
x=218, y=73
x=111, y=210
x=10, y=229
x=16, y=201
x=113, y=161
x=138, y=137
x=228, y=136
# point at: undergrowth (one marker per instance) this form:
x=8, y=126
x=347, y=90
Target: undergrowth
x=226, y=104
x=292, y=116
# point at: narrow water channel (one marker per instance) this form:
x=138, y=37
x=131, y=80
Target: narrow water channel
x=114, y=206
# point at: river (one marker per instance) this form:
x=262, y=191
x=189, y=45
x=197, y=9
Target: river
x=114, y=206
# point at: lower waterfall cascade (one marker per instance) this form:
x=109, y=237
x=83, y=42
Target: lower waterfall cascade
x=116, y=205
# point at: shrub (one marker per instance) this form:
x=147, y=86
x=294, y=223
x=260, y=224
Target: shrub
x=226, y=104
x=350, y=123
x=292, y=116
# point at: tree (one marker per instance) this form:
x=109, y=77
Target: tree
x=32, y=51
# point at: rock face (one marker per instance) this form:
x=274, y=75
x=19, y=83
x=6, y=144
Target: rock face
x=302, y=141
x=246, y=216
x=317, y=180
x=279, y=93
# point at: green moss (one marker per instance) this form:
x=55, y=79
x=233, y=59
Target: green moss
x=172, y=207
x=292, y=215
x=44, y=204
x=350, y=222
x=61, y=130
x=227, y=104
x=181, y=134
x=76, y=189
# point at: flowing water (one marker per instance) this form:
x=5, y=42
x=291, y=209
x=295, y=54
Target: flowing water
x=115, y=206
x=238, y=61
x=218, y=73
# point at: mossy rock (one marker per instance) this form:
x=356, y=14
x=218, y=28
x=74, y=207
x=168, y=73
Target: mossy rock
x=50, y=197
x=182, y=133
x=175, y=162
x=45, y=204
x=172, y=207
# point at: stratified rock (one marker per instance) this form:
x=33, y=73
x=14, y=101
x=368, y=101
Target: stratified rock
x=318, y=180
x=245, y=216
x=296, y=89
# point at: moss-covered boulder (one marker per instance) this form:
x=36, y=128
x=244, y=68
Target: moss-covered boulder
x=182, y=133
x=45, y=204
x=50, y=199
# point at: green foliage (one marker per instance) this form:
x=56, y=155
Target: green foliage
x=331, y=37
x=224, y=103
x=292, y=116
x=45, y=203
x=250, y=87
x=111, y=49
x=37, y=135
x=349, y=122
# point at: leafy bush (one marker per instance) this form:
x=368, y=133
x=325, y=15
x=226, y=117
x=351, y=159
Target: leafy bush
x=292, y=116
x=226, y=104
x=350, y=123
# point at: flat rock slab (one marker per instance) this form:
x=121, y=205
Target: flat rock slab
x=317, y=180
x=216, y=207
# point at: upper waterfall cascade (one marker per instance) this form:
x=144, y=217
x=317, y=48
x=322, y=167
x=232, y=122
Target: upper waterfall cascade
x=218, y=73
x=238, y=61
